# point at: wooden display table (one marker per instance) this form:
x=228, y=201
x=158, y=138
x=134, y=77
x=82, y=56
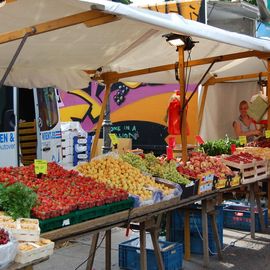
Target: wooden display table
x=26, y=266
x=149, y=218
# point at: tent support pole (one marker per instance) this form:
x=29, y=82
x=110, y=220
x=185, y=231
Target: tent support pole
x=108, y=79
x=182, y=100
x=15, y=56
x=106, y=124
x=202, y=105
x=268, y=126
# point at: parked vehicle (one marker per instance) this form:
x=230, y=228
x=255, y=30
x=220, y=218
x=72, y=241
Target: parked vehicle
x=29, y=125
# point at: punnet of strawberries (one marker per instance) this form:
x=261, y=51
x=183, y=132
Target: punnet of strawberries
x=61, y=191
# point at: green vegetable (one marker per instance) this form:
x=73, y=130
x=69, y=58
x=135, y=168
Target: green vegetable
x=17, y=200
x=219, y=147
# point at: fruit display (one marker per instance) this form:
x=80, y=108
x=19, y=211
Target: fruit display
x=255, y=151
x=118, y=173
x=262, y=152
x=252, y=168
x=200, y=163
x=59, y=191
x=243, y=157
x=158, y=167
x=219, y=147
x=4, y=236
x=261, y=142
x=135, y=160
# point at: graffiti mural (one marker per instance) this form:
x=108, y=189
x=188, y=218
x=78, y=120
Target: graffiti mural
x=137, y=110
x=192, y=10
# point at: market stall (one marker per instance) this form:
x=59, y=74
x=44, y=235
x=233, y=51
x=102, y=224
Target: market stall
x=120, y=58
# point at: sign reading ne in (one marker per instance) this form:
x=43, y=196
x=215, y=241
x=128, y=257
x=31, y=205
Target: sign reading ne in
x=41, y=166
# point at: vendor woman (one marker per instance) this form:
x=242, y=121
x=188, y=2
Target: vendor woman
x=245, y=125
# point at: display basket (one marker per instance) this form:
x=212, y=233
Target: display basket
x=23, y=229
x=31, y=251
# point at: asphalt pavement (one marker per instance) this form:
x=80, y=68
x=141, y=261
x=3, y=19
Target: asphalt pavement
x=240, y=252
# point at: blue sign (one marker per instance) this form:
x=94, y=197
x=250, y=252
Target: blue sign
x=7, y=140
x=49, y=135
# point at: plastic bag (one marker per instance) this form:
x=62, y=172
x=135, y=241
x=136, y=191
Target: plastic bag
x=8, y=252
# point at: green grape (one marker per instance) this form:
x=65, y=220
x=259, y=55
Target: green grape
x=135, y=160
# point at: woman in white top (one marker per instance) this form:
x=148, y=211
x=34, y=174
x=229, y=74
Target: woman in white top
x=245, y=125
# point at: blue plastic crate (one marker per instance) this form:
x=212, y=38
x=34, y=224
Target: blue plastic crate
x=195, y=220
x=196, y=242
x=238, y=217
x=129, y=255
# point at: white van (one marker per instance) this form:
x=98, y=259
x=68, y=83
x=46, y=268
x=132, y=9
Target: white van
x=29, y=126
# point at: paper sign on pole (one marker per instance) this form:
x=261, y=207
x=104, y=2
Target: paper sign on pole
x=113, y=138
x=267, y=134
x=41, y=166
x=243, y=140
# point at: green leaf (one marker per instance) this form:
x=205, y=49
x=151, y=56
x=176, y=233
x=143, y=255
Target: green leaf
x=17, y=200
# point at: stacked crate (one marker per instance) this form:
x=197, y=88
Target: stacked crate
x=196, y=241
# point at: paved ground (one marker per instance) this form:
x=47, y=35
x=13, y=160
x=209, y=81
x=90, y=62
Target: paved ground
x=241, y=253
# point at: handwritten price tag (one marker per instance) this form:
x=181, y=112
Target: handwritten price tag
x=113, y=138
x=41, y=166
x=243, y=140
x=267, y=134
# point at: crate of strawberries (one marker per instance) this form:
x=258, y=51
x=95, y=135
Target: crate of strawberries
x=252, y=168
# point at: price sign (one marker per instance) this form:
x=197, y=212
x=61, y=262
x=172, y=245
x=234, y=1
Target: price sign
x=242, y=140
x=41, y=166
x=113, y=138
x=267, y=134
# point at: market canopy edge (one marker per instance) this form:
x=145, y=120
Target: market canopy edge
x=58, y=58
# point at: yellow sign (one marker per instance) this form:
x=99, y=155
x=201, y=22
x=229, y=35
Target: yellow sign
x=41, y=166
x=113, y=138
x=267, y=134
x=243, y=140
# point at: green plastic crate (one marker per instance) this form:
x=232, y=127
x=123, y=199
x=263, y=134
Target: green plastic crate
x=79, y=216
x=57, y=222
x=104, y=210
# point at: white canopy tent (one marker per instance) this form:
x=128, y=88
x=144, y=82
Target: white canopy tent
x=58, y=57
x=71, y=36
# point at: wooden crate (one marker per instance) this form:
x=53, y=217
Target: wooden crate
x=31, y=251
x=23, y=229
x=251, y=172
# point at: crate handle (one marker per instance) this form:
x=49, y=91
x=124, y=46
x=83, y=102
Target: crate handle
x=167, y=248
x=238, y=214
